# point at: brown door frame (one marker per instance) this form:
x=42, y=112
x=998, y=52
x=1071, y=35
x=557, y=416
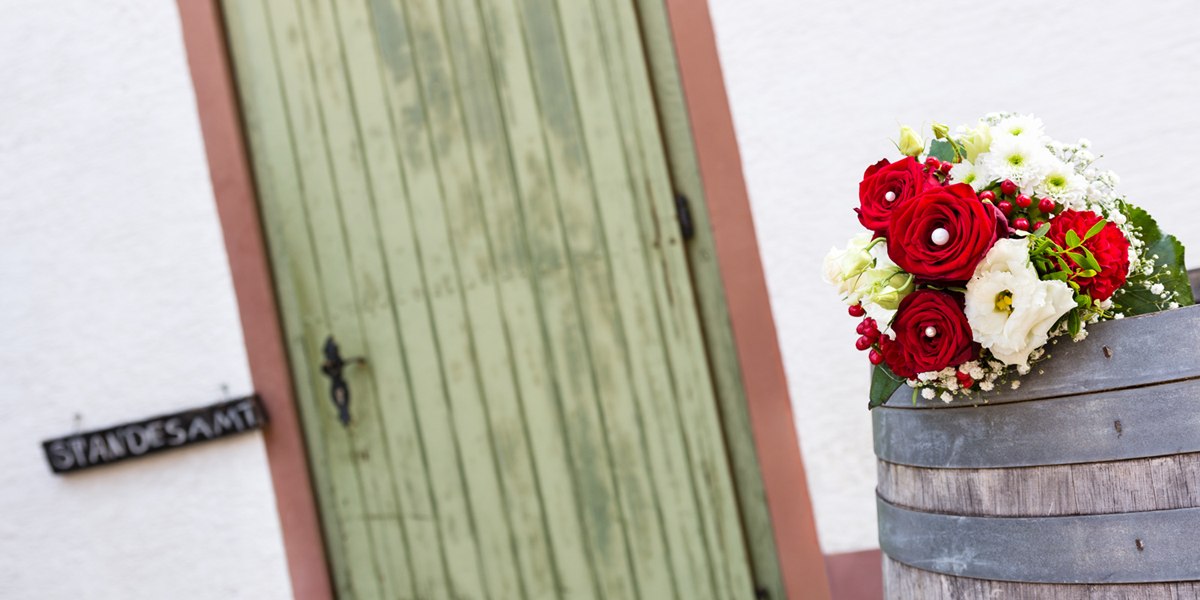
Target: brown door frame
x=741, y=270
x=270, y=372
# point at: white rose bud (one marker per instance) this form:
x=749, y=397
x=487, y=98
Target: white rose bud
x=910, y=143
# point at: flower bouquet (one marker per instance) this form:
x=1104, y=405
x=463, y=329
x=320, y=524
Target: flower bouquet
x=985, y=244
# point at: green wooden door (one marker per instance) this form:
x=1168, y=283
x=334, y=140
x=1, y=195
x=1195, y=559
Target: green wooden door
x=473, y=194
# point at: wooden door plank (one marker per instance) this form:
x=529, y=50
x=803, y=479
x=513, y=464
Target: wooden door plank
x=405, y=287
x=521, y=33
x=428, y=123
x=626, y=200
x=607, y=343
x=356, y=122
x=488, y=344
x=298, y=279
x=702, y=426
x=306, y=90
x=596, y=303
x=385, y=185
x=708, y=288
x=471, y=48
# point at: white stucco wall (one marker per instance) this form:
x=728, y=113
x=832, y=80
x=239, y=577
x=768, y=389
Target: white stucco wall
x=817, y=90
x=116, y=305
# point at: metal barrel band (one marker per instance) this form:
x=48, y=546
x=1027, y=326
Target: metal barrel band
x=1143, y=350
x=1142, y=422
x=1138, y=547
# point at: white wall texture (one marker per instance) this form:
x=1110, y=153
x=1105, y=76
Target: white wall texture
x=117, y=305
x=818, y=89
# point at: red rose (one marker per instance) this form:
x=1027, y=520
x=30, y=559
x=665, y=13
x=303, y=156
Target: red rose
x=1110, y=248
x=943, y=233
x=914, y=350
x=903, y=180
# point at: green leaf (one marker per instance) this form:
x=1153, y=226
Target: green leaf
x=1056, y=276
x=1074, y=323
x=1041, y=231
x=1073, y=239
x=883, y=384
x=1075, y=257
x=1169, y=268
x=942, y=150
x=1089, y=260
x=1095, y=229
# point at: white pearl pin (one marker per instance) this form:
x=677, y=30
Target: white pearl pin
x=930, y=331
x=890, y=196
x=940, y=236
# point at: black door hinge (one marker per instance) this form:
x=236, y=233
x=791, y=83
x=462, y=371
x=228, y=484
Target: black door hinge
x=684, y=212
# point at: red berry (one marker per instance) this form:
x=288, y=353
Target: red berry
x=875, y=357
x=1007, y=187
x=1005, y=207
x=1024, y=201
x=1021, y=223
x=857, y=310
x=932, y=163
x=1046, y=205
x=964, y=380
x=987, y=195
x=863, y=343
x=945, y=167
x=867, y=326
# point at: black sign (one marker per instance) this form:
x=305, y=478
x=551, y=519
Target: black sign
x=131, y=440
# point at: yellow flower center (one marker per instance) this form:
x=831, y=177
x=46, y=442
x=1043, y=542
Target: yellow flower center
x=1004, y=301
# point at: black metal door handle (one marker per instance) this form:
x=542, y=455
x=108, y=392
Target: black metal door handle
x=339, y=391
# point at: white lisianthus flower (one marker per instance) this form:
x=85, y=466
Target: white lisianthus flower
x=885, y=286
x=1009, y=308
x=863, y=273
x=842, y=267
x=975, y=141
x=1022, y=126
x=1062, y=183
x=1022, y=159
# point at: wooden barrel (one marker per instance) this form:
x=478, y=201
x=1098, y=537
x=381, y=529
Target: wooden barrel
x=1082, y=483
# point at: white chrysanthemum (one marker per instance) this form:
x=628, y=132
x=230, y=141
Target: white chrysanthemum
x=965, y=172
x=1022, y=159
x=1009, y=308
x=1062, y=183
x=1022, y=126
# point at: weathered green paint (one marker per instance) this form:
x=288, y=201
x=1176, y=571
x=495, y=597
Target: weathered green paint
x=710, y=297
x=475, y=195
